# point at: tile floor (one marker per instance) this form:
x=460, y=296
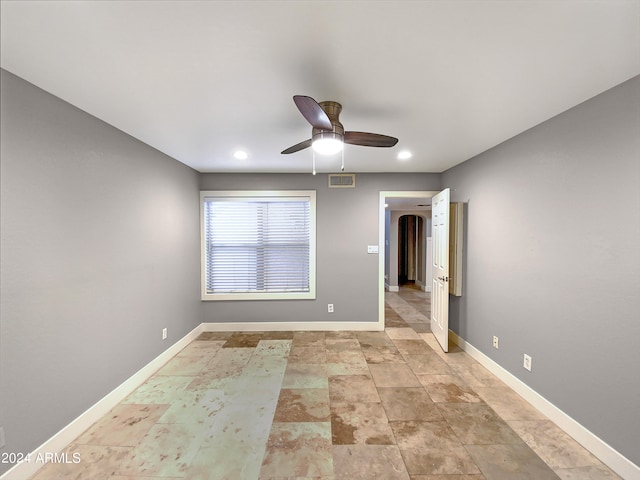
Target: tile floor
x=327, y=405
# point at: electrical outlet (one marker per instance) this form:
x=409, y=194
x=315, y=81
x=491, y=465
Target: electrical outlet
x=495, y=342
x=164, y=333
x=527, y=362
x=330, y=308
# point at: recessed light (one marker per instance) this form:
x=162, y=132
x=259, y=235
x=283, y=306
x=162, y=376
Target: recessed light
x=404, y=155
x=240, y=155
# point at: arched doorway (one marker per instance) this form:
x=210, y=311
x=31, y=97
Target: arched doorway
x=410, y=249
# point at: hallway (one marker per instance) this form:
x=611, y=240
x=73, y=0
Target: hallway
x=327, y=405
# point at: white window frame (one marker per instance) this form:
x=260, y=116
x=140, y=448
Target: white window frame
x=311, y=294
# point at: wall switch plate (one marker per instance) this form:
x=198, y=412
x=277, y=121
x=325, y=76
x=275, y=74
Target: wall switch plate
x=496, y=343
x=527, y=362
x=164, y=333
x=3, y=442
x=372, y=248
x=330, y=308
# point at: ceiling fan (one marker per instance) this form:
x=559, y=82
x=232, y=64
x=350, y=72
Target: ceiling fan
x=328, y=136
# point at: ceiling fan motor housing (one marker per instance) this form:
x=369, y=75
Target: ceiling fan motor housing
x=332, y=109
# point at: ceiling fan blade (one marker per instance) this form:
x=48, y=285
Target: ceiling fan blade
x=313, y=112
x=297, y=147
x=369, y=139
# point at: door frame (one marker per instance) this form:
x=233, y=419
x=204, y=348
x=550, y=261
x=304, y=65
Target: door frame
x=418, y=194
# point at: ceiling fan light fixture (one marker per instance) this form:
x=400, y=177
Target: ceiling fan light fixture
x=327, y=143
x=240, y=155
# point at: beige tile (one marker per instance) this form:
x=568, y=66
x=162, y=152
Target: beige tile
x=303, y=405
x=340, y=334
x=226, y=461
x=256, y=392
x=380, y=339
x=393, y=320
x=353, y=388
x=429, y=364
x=236, y=442
x=125, y=425
x=476, y=375
x=479, y=476
x=371, y=462
x=416, y=318
x=346, y=352
x=298, y=450
x=243, y=340
x=346, y=369
x=159, y=390
x=430, y=340
x=393, y=375
x=213, y=380
x=432, y=448
x=189, y=365
x=341, y=341
x=413, y=347
x=198, y=348
x=457, y=356
x=300, y=375
x=167, y=451
x=552, y=444
x=508, y=404
x=308, y=339
x=264, y=365
x=421, y=327
x=213, y=336
x=409, y=404
x=476, y=423
x=510, y=462
x=227, y=362
x=130, y=477
x=277, y=335
x=308, y=354
x=592, y=472
x=382, y=354
x=366, y=423
x=195, y=407
x=448, y=389
x=406, y=333
x=278, y=347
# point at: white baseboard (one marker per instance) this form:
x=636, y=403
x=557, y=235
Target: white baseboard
x=603, y=451
x=393, y=288
x=292, y=326
x=64, y=437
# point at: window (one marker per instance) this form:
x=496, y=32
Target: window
x=258, y=245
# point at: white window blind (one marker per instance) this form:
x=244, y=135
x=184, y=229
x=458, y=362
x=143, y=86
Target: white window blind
x=258, y=246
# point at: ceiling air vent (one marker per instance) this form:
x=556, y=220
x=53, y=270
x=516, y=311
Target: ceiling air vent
x=342, y=180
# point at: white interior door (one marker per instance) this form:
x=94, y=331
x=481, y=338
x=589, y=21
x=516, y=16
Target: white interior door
x=440, y=268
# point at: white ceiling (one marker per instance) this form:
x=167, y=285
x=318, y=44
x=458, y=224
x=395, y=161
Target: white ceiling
x=197, y=80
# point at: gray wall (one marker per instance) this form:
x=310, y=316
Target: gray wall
x=553, y=261
x=100, y=251
x=347, y=221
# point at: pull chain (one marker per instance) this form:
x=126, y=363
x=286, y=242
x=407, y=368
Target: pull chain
x=313, y=155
